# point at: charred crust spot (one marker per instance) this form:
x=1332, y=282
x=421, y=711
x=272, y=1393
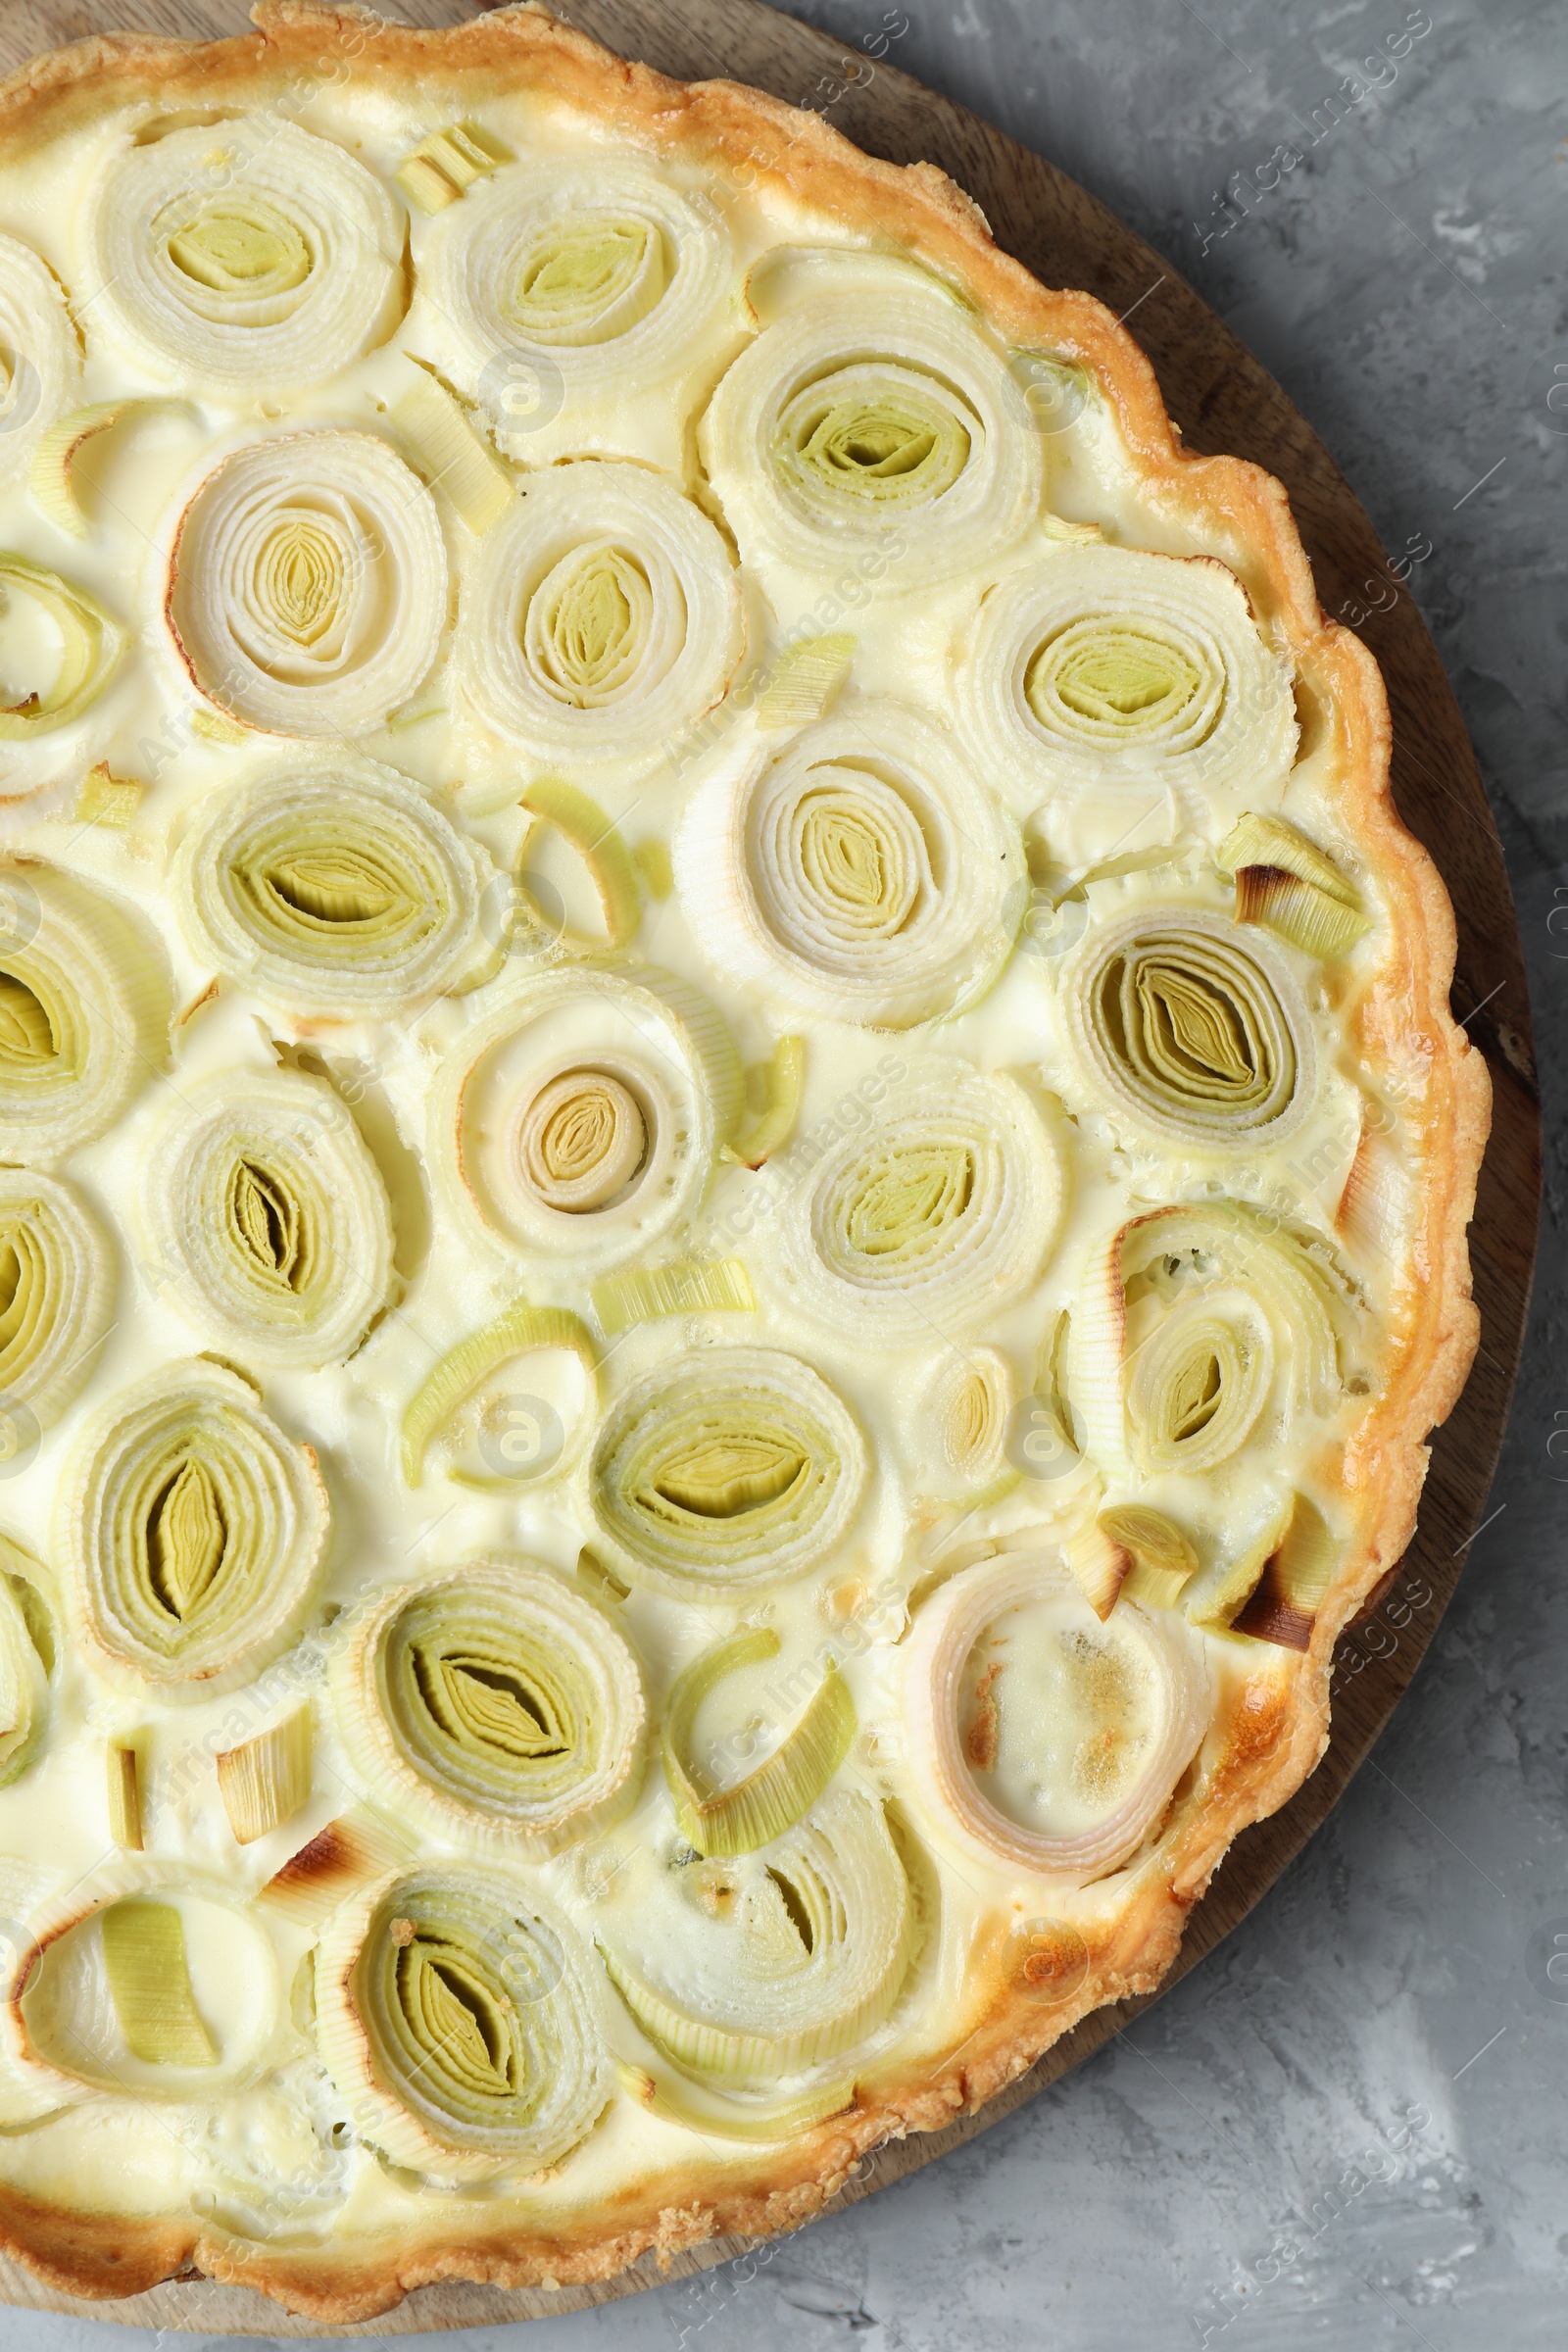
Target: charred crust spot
x=331, y=1853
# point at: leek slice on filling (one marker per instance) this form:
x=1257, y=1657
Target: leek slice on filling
x=436, y=1411
x=334, y=886
x=726, y=1474
x=495, y=1703
x=29, y=1654
x=40, y=358
x=245, y=257
x=607, y=275
x=750, y=1969
x=1105, y=667
x=964, y=1422
x=307, y=584
x=1198, y=1326
x=56, y=1294
x=91, y=645
x=1199, y=1032
x=877, y=425
x=579, y=1119
x=860, y=872
x=918, y=1225
x=266, y=1217
x=459, y=2014
x=149, y=1979
x=773, y=1090
x=265, y=1781
x=605, y=618
x=1289, y=886
x=189, y=1530
x=752, y=1812
x=83, y=1011
x=1040, y=1738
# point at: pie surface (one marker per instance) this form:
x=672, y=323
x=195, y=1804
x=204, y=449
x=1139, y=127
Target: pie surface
x=733, y=1175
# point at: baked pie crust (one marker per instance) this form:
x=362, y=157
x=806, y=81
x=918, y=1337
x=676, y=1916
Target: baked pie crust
x=737, y=1172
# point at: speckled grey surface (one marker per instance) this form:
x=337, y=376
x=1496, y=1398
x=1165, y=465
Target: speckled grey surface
x=1350, y=2125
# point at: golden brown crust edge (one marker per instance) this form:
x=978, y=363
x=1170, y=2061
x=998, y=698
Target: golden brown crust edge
x=1277, y=1724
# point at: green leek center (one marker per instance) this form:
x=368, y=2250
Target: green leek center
x=187, y=1538
x=267, y=1221
x=28, y=1036
x=597, y=272
x=728, y=1477
x=241, y=245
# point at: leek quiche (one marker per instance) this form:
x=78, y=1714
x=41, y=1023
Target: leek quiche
x=733, y=1175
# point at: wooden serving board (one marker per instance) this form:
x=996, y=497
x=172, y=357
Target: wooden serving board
x=1224, y=401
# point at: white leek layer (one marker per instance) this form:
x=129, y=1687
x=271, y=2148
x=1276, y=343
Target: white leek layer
x=604, y=617
x=860, y=873
x=1104, y=666
x=770, y=1963
x=578, y=1119
x=493, y=1703
x=333, y=886
x=189, y=1530
x=84, y=1005
x=726, y=1474
x=244, y=257
x=265, y=1218
x=307, y=584
x=1039, y=1737
x=1192, y=1028
x=40, y=361
x=931, y=1221
x=462, y=2022
x=56, y=1294
x=1201, y=1329
x=608, y=272
x=875, y=423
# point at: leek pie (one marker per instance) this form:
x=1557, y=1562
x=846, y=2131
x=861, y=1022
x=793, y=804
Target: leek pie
x=733, y=1175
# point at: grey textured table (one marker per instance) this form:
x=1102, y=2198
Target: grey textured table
x=1352, y=2124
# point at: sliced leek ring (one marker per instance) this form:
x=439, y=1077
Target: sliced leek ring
x=1105, y=668
x=244, y=258
x=1197, y=1327
x=84, y=1005
x=773, y=1090
x=493, y=1703
x=964, y=1424
x=608, y=271
x=57, y=1295
x=767, y=1801
x=930, y=1220
x=92, y=644
x=335, y=887
x=436, y=1412
x=29, y=1658
x=1196, y=1030
x=189, y=1530
x=307, y=584
x=722, y=2115
x=748, y=1970
x=604, y=617
x=1038, y=1737
x=1287, y=884
x=459, y=2019
x=860, y=873
x=579, y=1119
x=267, y=1218
x=726, y=1474
x=877, y=426
x=40, y=359
x=144, y=1980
